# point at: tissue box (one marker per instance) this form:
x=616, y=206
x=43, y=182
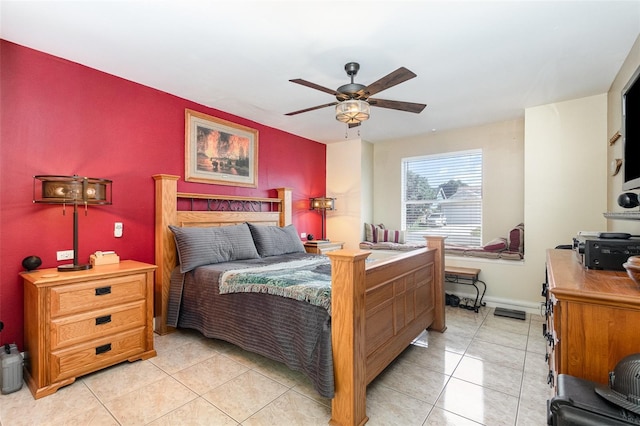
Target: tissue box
x=104, y=259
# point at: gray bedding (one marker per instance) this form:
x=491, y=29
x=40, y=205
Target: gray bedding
x=290, y=331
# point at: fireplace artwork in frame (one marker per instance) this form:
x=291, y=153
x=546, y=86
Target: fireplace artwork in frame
x=219, y=151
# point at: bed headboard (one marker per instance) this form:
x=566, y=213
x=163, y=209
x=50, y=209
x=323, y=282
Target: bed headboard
x=189, y=209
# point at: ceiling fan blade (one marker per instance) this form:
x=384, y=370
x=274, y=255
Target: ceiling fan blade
x=399, y=105
x=314, y=86
x=311, y=109
x=398, y=76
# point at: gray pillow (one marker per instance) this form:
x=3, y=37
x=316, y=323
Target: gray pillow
x=274, y=240
x=205, y=246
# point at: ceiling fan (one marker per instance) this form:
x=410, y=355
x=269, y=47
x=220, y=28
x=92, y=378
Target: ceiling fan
x=353, y=100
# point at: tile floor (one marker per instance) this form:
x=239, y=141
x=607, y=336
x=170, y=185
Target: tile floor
x=484, y=370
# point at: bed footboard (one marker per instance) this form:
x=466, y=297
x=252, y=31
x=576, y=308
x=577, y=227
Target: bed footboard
x=377, y=310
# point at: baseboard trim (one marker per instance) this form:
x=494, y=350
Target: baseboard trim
x=520, y=305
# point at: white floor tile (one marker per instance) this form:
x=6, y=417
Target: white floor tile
x=484, y=370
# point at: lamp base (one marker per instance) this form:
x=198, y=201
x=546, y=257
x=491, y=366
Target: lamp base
x=72, y=267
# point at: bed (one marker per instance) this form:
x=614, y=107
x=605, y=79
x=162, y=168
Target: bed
x=376, y=308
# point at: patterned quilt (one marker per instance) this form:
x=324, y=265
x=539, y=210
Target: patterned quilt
x=307, y=280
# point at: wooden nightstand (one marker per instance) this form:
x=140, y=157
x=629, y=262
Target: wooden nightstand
x=322, y=247
x=79, y=322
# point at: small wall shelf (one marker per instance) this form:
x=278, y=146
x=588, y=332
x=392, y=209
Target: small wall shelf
x=635, y=215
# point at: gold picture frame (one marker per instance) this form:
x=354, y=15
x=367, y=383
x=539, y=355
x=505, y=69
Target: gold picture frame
x=220, y=152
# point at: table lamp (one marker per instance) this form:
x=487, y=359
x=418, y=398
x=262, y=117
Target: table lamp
x=72, y=190
x=322, y=204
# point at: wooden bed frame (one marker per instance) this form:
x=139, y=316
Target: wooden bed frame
x=378, y=308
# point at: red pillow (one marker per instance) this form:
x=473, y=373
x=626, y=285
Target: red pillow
x=516, y=239
x=496, y=245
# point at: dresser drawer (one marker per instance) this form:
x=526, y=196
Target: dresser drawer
x=87, y=357
x=73, y=329
x=96, y=294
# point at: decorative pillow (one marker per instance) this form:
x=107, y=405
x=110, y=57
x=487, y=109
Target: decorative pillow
x=205, y=246
x=370, y=231
x=516, y=239
x=274, y=240
x=496, y=245
x=389, y=235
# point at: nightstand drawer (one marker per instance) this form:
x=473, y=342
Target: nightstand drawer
x=84, y=358
x=96, y=294
x=73, y=329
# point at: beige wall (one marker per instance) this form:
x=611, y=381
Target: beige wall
x=565, y=170
x=565, y=179
x=503, y=189
x=349, y=181
x=366, y=215
x=614, y=123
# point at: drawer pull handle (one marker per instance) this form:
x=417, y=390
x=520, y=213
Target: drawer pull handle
x=101, y=291
x=103, y=320
x=102, y=349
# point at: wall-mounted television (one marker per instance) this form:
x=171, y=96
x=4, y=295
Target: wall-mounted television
x=631, y=132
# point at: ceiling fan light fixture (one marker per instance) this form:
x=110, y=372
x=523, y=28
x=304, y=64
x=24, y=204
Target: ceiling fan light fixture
x=352, y=111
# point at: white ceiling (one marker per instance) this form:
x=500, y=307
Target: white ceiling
x=477, y=61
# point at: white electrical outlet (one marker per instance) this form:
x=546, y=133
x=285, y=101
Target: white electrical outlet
x=303, y=235
x=117, y=230
x=64, y=255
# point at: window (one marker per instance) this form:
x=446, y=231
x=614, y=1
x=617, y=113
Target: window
x=442, y=195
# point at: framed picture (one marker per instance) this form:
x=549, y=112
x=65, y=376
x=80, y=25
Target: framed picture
x=219, y=151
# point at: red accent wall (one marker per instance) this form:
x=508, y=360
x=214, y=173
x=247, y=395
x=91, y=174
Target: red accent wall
x=59, y=117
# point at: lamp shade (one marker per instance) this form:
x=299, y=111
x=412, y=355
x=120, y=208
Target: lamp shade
x=352, y=111
x=321, y=203
x=71, y=190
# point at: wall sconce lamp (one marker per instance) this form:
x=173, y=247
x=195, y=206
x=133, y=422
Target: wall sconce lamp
x=322, y=204
x=72, y=190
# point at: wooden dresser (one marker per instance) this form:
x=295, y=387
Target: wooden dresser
x=79, y=322
x=592, y=318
